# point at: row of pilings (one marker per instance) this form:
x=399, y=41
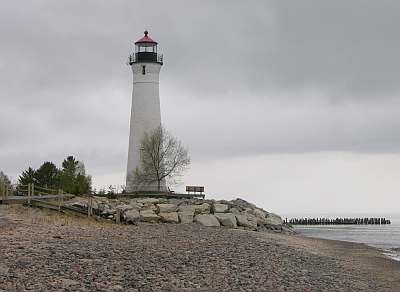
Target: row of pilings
x=338, y=221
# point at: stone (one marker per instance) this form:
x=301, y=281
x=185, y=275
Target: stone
x=186, y=217
x=149, y=201
x=151, y=207
x=259, y=213
x=202, y=209
x=186, y=208
x=123, y=207
x=132, y=216
x=226, y=219
x=234, y=210
x=219, y=208
x=246, y=220
x=208, y=220
x=166, y=208
x=135, y=205
x=149, y=216
x=23, y=262
x=242, y=203
x=170, y=217
x=273, y=219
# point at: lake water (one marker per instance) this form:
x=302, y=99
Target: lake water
x=384, y=237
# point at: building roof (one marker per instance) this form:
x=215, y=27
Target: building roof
x=145, y=39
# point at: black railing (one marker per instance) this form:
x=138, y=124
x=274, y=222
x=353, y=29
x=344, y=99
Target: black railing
x=145, y=57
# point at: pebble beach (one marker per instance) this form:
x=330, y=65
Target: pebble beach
x=47, y=251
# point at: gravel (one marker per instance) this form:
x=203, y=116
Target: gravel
x=41, y=251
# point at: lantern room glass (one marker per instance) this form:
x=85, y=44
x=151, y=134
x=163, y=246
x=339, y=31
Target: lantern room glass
x=148, y=48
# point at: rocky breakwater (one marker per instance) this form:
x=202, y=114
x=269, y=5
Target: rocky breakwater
x=236, y=213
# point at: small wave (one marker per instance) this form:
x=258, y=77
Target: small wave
x=393, y=253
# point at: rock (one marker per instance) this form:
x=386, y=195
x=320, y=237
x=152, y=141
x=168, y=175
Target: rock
x=123, y=207
x=186, y=208
x=226, y=219
x=149, y=216
x=23, y=262
x=273, y=219
x=202, y=209
x=150, y=207
x=132, y=216
x=220, y=208
x=259, y=213
x=208, y=220
x=242, y=203
x=170, y=217
x=186, y=217
x=246, y=220
x=234, y=210
x=166, y=208
x=108, y=210
x=3, y=270
x=148, y=201
x=135, y=205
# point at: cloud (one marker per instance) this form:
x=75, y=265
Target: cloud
x=239, y=80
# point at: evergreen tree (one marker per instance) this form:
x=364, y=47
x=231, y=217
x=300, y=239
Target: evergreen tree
x=48, y=175
x=73, y=177
x=27, y=177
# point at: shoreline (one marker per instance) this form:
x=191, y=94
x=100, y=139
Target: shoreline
x=390, y=251
x=52, y=251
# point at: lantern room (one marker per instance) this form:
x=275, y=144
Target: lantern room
x=146, y=51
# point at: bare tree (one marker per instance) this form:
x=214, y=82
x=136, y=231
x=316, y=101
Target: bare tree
x=5, y=182
x=162, y=157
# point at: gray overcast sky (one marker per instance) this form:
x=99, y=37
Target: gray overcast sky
x=291, y=104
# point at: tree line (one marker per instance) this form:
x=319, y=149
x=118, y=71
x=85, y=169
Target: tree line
x=71, y=177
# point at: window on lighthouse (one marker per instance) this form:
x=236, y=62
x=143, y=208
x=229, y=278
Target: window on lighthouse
x=143, y=70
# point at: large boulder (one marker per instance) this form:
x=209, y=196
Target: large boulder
x=186, y=208
x=273, y=219
x=150, y=207
x=234, y=210
x=220, y=208
x=131, y=216
x=170, y=217
x=226, y=219
x=242, y=203
x=186, y=217
x=202, y=209
x=208, y=220
x=149, y=216
x=246, y=220
x=166, y=208
x=136, y=205
x=123, y=207
x=259, y=213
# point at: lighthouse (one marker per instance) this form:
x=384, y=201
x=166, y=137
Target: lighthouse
x=146, y=63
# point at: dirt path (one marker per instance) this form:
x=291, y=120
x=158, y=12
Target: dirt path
x=51, y=252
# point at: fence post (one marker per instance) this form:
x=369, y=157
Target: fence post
x=89, y=206
x=2, y=188
x=29, y=193
x=59, y=200
x=118, y=216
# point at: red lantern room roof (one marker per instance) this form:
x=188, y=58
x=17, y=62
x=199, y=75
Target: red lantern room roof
x=146, y=39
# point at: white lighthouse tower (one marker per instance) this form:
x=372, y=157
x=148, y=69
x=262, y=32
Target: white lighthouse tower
x=146, y=63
